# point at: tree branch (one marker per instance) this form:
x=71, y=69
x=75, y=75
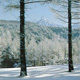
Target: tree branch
x=38, y=1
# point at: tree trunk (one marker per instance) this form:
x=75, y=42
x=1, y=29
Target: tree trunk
x=22, y=40
x=70, y=61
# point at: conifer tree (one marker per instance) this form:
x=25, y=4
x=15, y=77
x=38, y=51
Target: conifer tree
x=70, y=61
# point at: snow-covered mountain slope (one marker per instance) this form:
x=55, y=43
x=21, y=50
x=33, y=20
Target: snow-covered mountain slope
x=45, y=22
x=55, y=72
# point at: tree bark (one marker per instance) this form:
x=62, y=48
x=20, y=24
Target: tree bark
x=70, y=61
x=22, y=39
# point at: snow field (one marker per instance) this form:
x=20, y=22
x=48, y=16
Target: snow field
x=52, y=72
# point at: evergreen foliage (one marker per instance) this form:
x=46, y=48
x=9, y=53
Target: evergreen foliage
x=48, y=46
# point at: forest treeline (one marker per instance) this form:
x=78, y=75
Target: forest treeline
x=44, y=45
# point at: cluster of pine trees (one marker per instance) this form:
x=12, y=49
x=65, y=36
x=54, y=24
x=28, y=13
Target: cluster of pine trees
x=44, y=45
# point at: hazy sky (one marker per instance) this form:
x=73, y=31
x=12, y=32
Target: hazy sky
x=34, y=13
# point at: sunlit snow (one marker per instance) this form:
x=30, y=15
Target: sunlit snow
x=55, y=72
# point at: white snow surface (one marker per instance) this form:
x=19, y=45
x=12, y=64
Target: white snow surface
x=54, y=72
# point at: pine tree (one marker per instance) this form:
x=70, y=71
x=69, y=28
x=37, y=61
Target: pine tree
x=70, y=61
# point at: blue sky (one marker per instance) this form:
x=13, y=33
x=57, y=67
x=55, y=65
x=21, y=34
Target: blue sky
x=34, y=13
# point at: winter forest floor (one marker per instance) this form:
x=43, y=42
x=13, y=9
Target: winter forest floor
x=54, y=72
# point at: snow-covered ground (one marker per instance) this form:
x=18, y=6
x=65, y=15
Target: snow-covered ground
x=55, y=72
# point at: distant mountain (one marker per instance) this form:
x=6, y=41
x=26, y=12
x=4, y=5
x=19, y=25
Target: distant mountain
x=9, y=22
x=45, y=22
x=36, y=30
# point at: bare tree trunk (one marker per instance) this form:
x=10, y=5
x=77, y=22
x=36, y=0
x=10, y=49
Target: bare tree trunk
x=70, y=61
x=22, y=40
